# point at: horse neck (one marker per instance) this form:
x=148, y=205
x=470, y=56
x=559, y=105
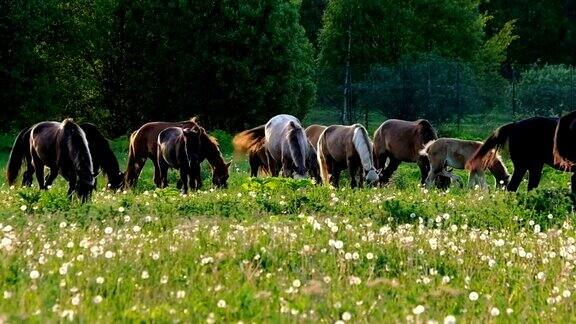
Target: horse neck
x=212, y=152
x=499, y=170
x=362, y=145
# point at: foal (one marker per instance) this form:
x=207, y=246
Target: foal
x=452, y=152
x=179, y=149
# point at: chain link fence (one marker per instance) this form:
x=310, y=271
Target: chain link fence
x=445, y=92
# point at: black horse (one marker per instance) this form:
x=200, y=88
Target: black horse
x=530, y=144
x=179, y=148
x=63, y=148
x=103, y=159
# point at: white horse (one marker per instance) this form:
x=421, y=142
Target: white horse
x=287, y=148
x=341, y=147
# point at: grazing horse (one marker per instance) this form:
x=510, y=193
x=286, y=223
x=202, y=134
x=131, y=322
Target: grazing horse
x=564, y=148
x=341, y=147
x=102, y=158
x=530, y=144
x=452, y=152
x=63, y=148
x=144, y=145
x=313, y=133
x=401, y=141
x=179, y=149
x=286, y=147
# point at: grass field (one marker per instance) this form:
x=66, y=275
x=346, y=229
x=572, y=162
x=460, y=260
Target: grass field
x=288, y=251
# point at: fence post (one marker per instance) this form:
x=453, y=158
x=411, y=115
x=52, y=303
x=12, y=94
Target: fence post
x=458, y=104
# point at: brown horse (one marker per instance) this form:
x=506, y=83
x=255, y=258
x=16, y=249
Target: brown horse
x=103, y=159
x=179, y=149
x=401, y=141
x=341, y=147
x=63, y=148
x=144, y=145
x=313, y=133
x=452, y=152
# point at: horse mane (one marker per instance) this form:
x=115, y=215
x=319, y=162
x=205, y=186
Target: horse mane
x=76, y=145
x=424, y=150
x=297, y=147
x=426, y=131
x=100, y=150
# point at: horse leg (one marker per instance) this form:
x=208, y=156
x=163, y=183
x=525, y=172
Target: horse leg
x=387, y=173
x=430, y=179
x=51, y=176
x=39, y=170
x=157, y=173
x=162, y=167
x=28, y=174
x=519, y=172
x=534, y=176
x=352, y=170
x=424, y=165
x=254, y=161
x=453, y=177
x=71, y=186
x=195, y=178
x=274, y=168
x=184, y=178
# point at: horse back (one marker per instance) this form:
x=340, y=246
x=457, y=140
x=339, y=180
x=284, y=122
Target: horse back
x=170, y=145
x=402, y=139
x=144, y=142
x=44, y=138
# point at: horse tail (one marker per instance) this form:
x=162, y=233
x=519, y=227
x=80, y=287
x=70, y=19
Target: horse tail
x=363, y=146
x=17, y=154
x=298, y=146
x=250, y=140
x=486, y=153
x=130, y=175
x=564, y=154
x=78, y=151
x=322, y=160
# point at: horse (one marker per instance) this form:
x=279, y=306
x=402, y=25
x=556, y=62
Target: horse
x=530, y=144
x=286, y=147
x=564, y=149
x=452, y=152
x=346, y=146
x=401, y=141
x=313, y=133
x=179, y=149
x=144, y=145
x=103, y=159
x=63, y=148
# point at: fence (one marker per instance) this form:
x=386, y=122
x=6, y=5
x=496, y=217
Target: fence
x=443, y=91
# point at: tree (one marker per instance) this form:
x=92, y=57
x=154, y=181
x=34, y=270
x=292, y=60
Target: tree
x=384, y=32
x=311, y=12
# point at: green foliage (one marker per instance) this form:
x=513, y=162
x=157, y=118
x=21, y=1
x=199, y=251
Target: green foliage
x=547, y=90
x=123, y=63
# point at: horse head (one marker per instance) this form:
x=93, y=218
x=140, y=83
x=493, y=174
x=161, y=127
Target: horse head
x=220, y=175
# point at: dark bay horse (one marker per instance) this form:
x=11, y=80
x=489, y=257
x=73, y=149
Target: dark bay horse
x=286, y=147
x=530, y=144
x=341, y=147
x=144, y=145
x=179, y=149
x=63, y=148
x=401, y=141
x=103, y=159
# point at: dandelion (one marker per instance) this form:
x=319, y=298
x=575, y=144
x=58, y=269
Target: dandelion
x=180, y=294
x=450, y=319
x=63, y=225
x=121, y=209
x=509, y=311
x=338, y=244
x=369, y=256
x=327, y=279
x=7, y=294
x=75, y=300
x=34, y=274
x=221, y=303
x=494, y=312
x=566, y=293
x=99, y=280
x=136, y=228
x=346, y=316
x=164, y=280
x=541, y=276
x=97, y=299
x=109, y=254
x=108, y=230
x=473, y=296
x=354, y=281
x=145, y=275
x=23, y=207
x=418, y=310
x=296, y=283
